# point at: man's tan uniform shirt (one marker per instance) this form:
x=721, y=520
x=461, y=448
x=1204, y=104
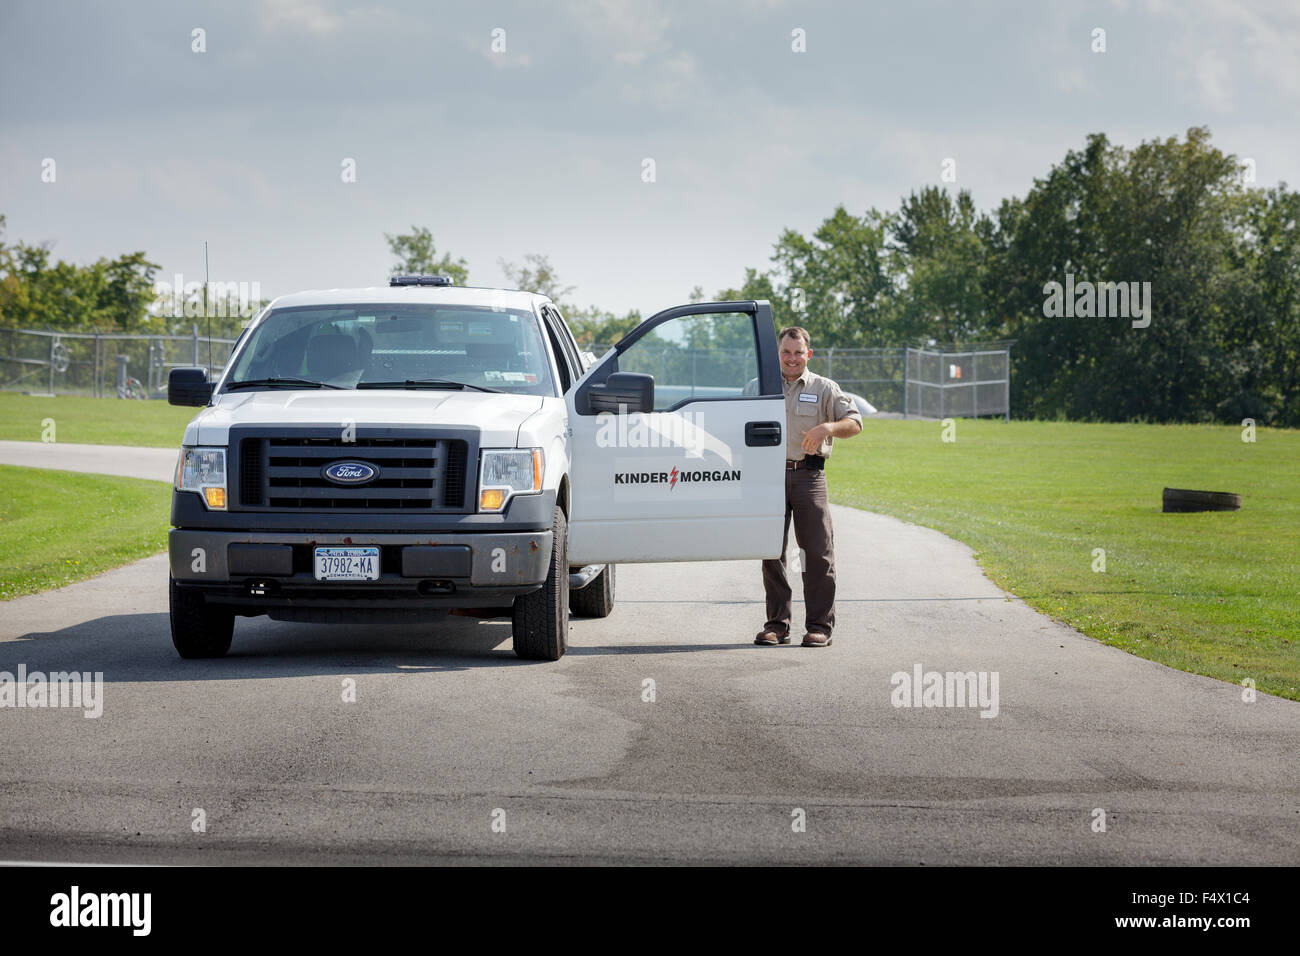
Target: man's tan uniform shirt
x=812, y=400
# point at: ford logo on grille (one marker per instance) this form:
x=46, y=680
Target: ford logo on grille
x=350, y=472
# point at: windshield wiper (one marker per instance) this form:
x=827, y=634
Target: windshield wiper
x=296, y=382
x=427, y=383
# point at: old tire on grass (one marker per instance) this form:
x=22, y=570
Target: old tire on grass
x=1183, y=500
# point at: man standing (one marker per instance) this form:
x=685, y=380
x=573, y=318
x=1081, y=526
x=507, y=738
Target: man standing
x=816, y=413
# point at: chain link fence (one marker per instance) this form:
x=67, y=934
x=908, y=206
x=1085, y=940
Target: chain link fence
x=912, y=382
x=943, y=383
x=919, y=383
x=875, y=374
x=102, y=365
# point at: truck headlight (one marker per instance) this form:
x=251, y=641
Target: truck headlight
x=203, y=470
x=506, y=472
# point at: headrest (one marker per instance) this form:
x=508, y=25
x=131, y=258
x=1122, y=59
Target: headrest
x=330, y=355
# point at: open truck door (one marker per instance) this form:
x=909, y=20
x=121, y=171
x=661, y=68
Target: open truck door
x=677, y=450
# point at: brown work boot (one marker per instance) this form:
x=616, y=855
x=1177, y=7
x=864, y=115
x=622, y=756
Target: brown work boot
x=771, y=637
x=816, y=639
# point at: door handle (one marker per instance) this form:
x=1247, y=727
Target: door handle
x=762, y=434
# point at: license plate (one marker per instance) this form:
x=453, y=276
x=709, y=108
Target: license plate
x=347, y=564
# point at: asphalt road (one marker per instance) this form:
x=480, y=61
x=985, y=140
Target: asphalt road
x=156, y=463
x=448, y=729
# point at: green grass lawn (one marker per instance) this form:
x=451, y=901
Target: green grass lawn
x=1211, y=593
x=93, y=421
x=57, y=527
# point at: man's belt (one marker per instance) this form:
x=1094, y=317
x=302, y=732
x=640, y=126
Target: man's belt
x=811, y=462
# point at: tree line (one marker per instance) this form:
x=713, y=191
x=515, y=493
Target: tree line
x=1218, y=259
x=109, y=295
x=1149, y=283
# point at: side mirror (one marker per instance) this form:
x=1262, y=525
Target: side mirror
x=188, y=386
x=634, y=391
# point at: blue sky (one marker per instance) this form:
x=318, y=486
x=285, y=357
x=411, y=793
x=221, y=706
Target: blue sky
x=541, y=147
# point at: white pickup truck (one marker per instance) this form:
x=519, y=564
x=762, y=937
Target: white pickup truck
x=394, y=453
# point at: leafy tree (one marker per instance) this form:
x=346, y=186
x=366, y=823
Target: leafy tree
x=1223, y=264
x=1167, y=213
x=940, y=261
x=1264, y=329
x=109, y=295
x=128, y=289
x=417, y=253
x=843, y=278
x=537, y=275
x=594, y=326
x=707, y=334
x=590, y=325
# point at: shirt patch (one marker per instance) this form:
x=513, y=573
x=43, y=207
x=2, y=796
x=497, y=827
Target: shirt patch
x=807, y=397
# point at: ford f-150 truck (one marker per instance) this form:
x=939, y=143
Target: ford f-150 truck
x=397, y=452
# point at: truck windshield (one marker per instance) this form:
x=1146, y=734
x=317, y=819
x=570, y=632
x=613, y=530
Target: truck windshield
x=349, y=346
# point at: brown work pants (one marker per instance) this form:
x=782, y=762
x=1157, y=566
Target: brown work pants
x=805, y=500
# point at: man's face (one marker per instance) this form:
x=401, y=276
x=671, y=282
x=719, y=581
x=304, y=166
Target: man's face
x=794, y=357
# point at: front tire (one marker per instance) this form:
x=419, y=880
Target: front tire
x=199, y=629
x=597, y=598
x=541, y=619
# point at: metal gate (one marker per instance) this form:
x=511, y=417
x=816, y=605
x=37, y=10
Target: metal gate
x=957, y=384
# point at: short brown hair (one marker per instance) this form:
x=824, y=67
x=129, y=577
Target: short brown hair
x=795, y=332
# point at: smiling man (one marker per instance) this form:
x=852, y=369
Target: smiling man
x=816, y=413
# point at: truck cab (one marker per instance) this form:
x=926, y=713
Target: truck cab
x=399, y=452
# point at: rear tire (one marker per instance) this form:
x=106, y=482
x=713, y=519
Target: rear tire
x=597, y=598
x=199, y=629
x=541, y=619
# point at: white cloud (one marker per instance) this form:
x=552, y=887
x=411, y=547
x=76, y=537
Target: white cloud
x=1220, y=38
x=315, y=16
x=311, y=16
x=631, y=32
x=1211, y=71
x=1067, y=81
x=634, y=37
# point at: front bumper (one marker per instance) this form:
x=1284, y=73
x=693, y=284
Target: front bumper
x=273, y=569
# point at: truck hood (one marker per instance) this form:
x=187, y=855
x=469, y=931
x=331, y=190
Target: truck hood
x=497, y=416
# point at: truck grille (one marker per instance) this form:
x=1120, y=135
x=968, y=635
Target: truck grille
x=414, y=474
x=252, y=472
